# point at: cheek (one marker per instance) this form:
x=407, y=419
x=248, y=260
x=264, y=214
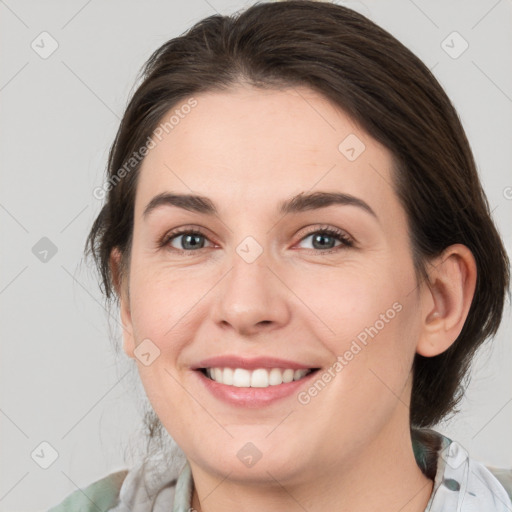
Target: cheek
x=163, y=301
x=374, y=319
x=358, y=303
x=159, y=314
x=387, y=341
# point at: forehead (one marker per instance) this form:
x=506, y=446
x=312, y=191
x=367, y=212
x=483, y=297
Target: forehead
x=252, y=146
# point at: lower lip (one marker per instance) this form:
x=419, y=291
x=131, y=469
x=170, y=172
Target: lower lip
x=252, y=397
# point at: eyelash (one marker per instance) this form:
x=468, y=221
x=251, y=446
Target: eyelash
x=346, y=242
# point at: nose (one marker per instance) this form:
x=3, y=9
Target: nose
x=252, y=298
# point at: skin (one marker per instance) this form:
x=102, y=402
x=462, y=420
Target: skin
x=349, y=448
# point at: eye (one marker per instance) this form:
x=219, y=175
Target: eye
x=323, y=240
x=184, y=240
x=191, y=240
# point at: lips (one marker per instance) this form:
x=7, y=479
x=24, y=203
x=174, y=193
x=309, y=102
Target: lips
x=255, y=382
x=232, y=361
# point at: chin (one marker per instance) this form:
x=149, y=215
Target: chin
x=260, y=463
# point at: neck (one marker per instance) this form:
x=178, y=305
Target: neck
x=384, y=477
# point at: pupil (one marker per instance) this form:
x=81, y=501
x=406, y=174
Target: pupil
x=189, y=240
x=319, y=237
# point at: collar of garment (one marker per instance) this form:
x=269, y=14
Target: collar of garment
x=461, y=484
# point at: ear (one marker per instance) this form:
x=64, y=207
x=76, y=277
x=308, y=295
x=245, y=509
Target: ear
x=446, y=299
x=120, y=282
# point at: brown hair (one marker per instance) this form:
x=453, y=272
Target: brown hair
x=384, y=87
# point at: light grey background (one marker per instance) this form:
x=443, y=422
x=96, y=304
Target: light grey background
x=60, y=379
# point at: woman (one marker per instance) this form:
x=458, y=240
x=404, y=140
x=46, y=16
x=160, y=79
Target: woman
x=305, y=265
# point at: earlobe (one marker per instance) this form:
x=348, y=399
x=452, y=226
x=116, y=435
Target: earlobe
x=121, y=289
x=446, y=299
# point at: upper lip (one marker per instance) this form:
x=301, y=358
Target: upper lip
x=232, y=361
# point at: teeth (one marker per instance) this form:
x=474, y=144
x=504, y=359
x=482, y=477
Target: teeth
x=217, y=373
x=259, y=378
x=288, y=375
x=241, y=378
x=227, y=376
x=275, y=377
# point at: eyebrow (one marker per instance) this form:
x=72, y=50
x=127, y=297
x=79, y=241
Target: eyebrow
x=299, y=203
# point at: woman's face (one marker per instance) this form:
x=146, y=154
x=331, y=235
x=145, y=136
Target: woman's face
x=259, y=288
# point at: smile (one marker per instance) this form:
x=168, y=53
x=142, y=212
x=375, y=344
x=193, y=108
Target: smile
x=253, y=382
x=257, y=378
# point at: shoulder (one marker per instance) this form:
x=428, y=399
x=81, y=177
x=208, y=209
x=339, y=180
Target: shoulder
x=487, y=486
x=466, y=485
x=100, y=496
x=149, y=486
x=504, y=477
